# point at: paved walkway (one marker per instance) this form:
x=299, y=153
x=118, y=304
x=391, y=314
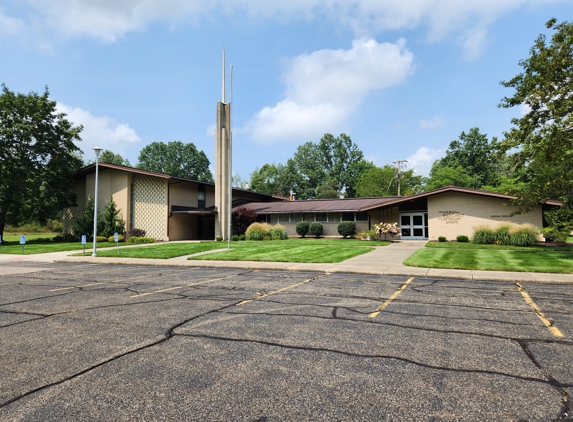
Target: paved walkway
x=384, y=260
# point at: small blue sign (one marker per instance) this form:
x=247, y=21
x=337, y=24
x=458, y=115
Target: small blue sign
x=84, y=239
x=22, y=240
x=115, y=237
x=0, y=238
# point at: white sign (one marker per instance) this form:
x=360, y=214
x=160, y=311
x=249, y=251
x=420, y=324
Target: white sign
x=84, y=239
x=22, y=240
x=115, y=237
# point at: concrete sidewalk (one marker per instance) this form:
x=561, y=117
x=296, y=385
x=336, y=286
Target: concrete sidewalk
x=384, y=260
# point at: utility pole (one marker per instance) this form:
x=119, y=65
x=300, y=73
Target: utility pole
x=398, y=175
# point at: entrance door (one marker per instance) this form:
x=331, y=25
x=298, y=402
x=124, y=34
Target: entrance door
x=413, y=226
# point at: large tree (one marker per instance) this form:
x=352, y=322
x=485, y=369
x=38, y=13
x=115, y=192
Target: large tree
x=470, y=161
x=271, y=179
x=381, y=181
x=541, y=142
x=176, y=159
x=38, y=158
x=108, y=156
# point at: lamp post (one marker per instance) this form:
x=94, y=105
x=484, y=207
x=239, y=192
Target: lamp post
x=97, y=152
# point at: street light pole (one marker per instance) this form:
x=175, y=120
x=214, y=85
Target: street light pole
x=97, y=152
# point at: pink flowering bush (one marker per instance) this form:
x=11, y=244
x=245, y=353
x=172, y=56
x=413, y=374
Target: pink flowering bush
x=391, y=229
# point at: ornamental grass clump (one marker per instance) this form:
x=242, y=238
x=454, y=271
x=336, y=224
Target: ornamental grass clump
x=258, y=231
x=278, y=232
x=524, y=235
x=502, y=234
x=483, y=235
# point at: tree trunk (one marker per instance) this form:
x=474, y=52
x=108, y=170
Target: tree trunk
x=2, y=224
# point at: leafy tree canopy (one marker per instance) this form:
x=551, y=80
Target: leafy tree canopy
x=327, y=169
x=541, y=142
x=108, y=156
x=176, y=159
x=381, y=181
x=38, y=158
x=471, y=161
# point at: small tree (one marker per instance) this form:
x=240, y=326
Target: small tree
x=302, y=228
x=244, y=218
x=109, y=221
x=316, y=229
x=85, y=224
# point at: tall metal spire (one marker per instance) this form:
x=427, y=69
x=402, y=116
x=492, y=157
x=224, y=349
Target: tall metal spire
x=223, y=82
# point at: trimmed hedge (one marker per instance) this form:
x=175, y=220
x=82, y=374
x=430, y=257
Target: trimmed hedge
x=442, y=239
x=302, y=228
x=462, y=238
x=316, y=229
x=135, y=240
x=346, y=228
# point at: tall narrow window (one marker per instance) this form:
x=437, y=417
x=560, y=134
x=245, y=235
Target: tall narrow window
x=201, y=197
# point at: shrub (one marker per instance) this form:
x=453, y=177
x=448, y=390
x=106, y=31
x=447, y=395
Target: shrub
x=244, y=218
x=235, y=238
x=372, y=234
x=85, y=223
x=362, y=235
x=278, y=232
x=120, y=238
x=219, y=239
x=102, y=239
x=137, y=240
x=302, y=228
x=442, y=239
x=501, y=233
x=346, y=228
x=462, y=238
x=553, y=234
x=242, y=237
x=258, y=231
x=316, y=229
x=483, y=235
x=136, y=233
x=110, y=221
x=524, y=235
x=55, y=226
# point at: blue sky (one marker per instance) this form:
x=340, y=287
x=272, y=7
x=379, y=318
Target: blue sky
x=402, y=77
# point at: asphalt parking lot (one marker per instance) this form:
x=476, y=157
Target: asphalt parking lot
x=107, y=342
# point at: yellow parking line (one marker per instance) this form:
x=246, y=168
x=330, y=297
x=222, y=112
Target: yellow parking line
x=75, y=287
x=181, y=287
x=274, y=293
x=549, y=324
x=390, y=299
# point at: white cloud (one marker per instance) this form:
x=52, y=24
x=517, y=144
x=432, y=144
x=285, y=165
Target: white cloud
x=430, y=124
x=325, y=87
x=524, y=109
x=421, y=161
x=104, y=132
x=111, y=19
x=10, y=25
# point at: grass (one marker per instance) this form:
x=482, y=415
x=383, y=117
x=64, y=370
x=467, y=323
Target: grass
x=34, y=236
x=292, y=250
x=493, y=258
x=570, y=239
x=35, y=248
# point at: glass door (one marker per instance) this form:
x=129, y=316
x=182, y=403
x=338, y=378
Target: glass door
x=413, y=226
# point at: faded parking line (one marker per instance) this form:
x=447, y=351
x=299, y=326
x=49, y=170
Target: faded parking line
x=548, y=323
x=391, y=298
x=275, y=292
x=182, y=287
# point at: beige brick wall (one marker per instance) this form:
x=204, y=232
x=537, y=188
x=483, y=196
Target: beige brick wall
x=111, y=184
x=69, y=215
x=182, y=227
x=453, y=213
x=183, y=194
x=150, y=200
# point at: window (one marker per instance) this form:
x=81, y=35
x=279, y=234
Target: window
x=322, y=217
x=201, y=197
x=347, y=216
x=334, y=217
x=284, y=218
x=361, y=216
x=274, y=218
x=295, y=218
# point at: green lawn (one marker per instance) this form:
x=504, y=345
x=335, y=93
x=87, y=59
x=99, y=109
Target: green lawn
x=570, y=239
x=468, y=256
x=34, y=248
x=292, y=250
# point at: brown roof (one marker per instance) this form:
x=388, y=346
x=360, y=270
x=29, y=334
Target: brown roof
x=81, y=173
x=363, y=204
x=318, y=205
